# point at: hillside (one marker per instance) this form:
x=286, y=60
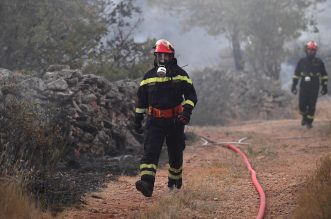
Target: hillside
x=217, y=184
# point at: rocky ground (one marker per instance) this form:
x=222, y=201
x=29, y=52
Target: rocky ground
x=282, y=152
x=96, y=115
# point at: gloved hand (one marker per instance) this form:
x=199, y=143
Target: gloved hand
x=324, y=89
x=138, y=128
x=294, y=89
x=184, y=117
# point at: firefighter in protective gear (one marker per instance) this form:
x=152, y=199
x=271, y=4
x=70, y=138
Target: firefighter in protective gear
x=311, y=72
x=166, y=94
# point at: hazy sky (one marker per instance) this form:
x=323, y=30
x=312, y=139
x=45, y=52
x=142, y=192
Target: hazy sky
x=323, y=17
x=197, y=49
x=194, y=48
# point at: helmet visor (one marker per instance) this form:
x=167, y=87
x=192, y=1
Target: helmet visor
x=163, y=58
x=311, y=52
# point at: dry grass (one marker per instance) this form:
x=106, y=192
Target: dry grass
x=32, y=144
x=30, y=138
x=198, y=198
x=14, y=204
x=315, y=198
x=323, y=108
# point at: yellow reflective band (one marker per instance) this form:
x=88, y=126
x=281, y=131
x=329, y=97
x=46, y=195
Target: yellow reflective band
x=146, y=172
x=174, y=177
x=175, y=170
x=149, y=166
x=296, y=77
x=324, y=78
x=141, y=110
x=154, y=80
x=190, y=102
x=310, y=117
x=165, y=79
x=183, y=78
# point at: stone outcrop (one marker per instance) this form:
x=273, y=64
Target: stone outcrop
x=99, y=112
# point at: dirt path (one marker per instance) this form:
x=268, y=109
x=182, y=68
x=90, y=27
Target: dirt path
x=282, y=152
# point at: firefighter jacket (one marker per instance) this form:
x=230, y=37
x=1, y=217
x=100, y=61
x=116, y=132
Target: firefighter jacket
x=312, y=72
x=166, y=92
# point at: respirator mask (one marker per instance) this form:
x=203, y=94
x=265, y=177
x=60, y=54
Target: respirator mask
x=163, y=59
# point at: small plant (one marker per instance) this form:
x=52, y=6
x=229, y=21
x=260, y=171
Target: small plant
x=14, y=203
x=314, y=200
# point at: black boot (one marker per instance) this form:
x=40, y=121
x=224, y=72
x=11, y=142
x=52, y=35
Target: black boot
x=309, y=125
x=175, y=183
x=145, y=188
x=304, y=120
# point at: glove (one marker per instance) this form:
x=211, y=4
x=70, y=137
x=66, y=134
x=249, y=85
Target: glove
x=294, y=89
x=324, y=89
x=138, y=128
x=184, y=117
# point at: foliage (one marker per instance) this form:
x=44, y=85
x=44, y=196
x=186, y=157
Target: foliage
x=268, y=29
x=262, y=26
x=118, y=55
x=38, y=33
x=137, y=60
x=32, y=143
x=95, y=34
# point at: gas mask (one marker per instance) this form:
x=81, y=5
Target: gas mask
x=162, y=60
x=161, y=71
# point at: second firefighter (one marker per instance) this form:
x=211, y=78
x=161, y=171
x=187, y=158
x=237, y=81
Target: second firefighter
x=311, y=72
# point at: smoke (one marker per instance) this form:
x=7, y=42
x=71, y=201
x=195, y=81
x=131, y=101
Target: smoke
x=323, y=16
x=198, y=50
x=194, y=48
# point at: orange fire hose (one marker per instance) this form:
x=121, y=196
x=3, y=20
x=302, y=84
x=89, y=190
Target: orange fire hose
x=256, y=183
x=252, y=172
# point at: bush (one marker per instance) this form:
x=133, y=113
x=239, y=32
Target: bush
x=31, y=144
x=31, y=140
x=314, y=200
x=14, y=203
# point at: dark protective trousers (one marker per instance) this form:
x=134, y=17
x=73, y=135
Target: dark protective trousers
x=307, y=101
x=159, y=130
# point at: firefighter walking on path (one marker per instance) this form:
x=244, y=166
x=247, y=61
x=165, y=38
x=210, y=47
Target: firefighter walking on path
x=166, y=94
x=311, y=73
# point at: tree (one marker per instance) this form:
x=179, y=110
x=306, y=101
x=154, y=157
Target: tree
x=119, y=56
x=261, y=27
x=97, y=34
x=269, y=28
x=38, y=33
x=223, y=17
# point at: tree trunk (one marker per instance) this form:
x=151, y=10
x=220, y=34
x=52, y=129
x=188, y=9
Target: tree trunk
x=236, y=50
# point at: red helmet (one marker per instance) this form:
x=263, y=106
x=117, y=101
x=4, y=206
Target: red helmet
x=163, y=46
x=312, y=45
